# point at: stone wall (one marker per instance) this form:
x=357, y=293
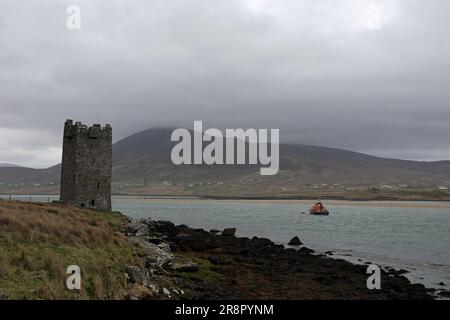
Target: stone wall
x=86, y=166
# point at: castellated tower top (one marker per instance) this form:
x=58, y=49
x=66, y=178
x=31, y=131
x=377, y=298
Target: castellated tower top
x=79, y=129
x=86, y=165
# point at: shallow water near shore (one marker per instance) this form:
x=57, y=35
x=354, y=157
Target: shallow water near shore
x=405, y=235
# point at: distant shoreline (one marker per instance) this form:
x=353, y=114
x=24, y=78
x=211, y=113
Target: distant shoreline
x=359, y=199
x=253, y=198
x=436, y=204
x=284, y=198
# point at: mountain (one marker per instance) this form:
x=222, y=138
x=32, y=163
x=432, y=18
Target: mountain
x=8, y=165
x=142, y=164
x=147, y=154
x=17, y=175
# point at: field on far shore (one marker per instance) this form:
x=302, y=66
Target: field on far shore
x=253, y=191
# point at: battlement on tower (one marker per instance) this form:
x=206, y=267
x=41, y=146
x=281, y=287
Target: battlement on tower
x=78, y=129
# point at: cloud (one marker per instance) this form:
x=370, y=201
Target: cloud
x=29, y=147
x=315, y=69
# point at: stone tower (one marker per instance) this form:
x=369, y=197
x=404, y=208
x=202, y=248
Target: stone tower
x=86, y=166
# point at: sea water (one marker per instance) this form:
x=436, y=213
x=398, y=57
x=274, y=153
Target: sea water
x=410, y=235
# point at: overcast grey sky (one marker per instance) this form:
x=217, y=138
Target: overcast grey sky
x=366, y=75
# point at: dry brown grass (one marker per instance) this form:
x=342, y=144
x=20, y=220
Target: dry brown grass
x=39, y=241
x=57, y=224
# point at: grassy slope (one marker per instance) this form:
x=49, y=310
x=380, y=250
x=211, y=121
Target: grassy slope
x=39, y=241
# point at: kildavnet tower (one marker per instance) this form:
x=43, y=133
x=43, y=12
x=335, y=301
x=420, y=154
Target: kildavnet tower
x=86, y=166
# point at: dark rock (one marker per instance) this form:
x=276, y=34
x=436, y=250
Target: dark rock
x=305, y=250
x=324, y=280
x=285, y=271
x=402, y=271
x=418, y=286
x=441, y=283
x=193, y=243
x=229, y=232
x=214, y=231
x=261, y=242
x=165, y=223
x=181, y=236
x=394, y=272
x=445, y=294
x=150, y=222
x=155, y=240
x=217, y=260
x=139, y=275
x=295, y=241
x=186, y=267
x=246, y=252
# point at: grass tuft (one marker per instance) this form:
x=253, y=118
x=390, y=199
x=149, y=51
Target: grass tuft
x=205, y=274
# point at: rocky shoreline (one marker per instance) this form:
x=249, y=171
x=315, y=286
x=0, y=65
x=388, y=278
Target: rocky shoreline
x=179, y=262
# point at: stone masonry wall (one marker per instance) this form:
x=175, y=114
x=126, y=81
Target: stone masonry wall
x=86, y=166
